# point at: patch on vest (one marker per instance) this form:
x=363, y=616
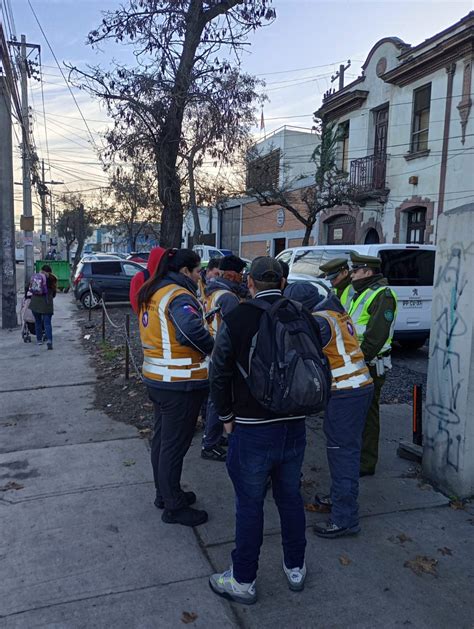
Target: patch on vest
x=350, y=328
x=145, y=319
x=388, y=314
x=190, y=309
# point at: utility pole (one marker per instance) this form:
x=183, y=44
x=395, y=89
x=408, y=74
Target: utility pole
x=340, y=74
x=44, y=192
x=7, y=216
x=27, y=218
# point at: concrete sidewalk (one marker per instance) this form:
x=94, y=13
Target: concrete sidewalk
x=81, y=544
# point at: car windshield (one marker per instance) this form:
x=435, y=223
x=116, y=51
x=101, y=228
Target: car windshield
x=408, y=267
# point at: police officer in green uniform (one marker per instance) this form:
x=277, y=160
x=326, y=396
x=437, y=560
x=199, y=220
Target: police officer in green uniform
x=337, y=272
x=373, y=310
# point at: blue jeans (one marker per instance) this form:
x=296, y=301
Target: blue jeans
x=212, y=428
x=45, y=319
x=343, y=425
x=255, y=453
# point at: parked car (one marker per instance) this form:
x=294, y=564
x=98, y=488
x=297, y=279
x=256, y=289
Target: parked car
x=206, y=253
x=324, y=287
x=409, y=269
x=91, y=257
x=141, y=256
x=95, y=277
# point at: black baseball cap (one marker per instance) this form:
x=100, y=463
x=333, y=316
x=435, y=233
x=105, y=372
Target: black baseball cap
x=266, y=269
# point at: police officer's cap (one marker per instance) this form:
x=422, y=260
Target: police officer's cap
x=332, y=268
x=359, y=261
x=266, y=269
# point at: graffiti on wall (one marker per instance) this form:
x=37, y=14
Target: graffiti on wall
x=449, y=331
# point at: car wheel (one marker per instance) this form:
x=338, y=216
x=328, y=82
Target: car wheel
x=412, y=344
x=90, y=300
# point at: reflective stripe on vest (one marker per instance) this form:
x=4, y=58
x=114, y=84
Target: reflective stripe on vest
x=359, y=312
x=210, y=304
x=346, y=296
x=348, y=368
x=164, y=359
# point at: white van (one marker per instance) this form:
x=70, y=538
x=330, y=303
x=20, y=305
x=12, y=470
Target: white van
x=409, y=269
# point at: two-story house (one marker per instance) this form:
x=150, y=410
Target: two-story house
x=407, y=139
x=280, y=161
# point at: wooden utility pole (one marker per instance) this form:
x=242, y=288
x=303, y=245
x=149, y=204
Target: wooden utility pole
x=43, y=194
x=7, y=217
x=340, y=74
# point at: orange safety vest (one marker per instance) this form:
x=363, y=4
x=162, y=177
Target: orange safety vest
x=348, y=368
x=164, y=359
x=214, y=323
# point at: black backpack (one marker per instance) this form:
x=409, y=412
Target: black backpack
x=287, y=372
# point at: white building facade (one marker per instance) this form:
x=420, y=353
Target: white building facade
x=408, y=128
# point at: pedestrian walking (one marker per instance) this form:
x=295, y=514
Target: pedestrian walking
x=176, y=344
x=43, y=289
x=351, y=393
x=267, y=373
x=373, y=310
x=141, y=277
x=337, y=272
x=222, y=296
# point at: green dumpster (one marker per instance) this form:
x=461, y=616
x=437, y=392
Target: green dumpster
x=60, y=268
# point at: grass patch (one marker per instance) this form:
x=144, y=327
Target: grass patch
x=109, y=352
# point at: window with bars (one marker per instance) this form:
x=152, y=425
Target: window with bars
x=421, y=119
x=263, y=173
x=416, y=226
x=343, y=131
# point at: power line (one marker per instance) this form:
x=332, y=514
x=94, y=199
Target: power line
x=62, y=73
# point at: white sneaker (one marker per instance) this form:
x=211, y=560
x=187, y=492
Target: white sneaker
x=225, y=585
x=295, y=577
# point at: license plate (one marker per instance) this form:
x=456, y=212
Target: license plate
x=412, y=303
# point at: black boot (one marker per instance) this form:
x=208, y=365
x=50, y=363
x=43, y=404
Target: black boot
x=189, y=496
x=187, y=516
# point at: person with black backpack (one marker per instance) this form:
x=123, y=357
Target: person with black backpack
x=268, y=372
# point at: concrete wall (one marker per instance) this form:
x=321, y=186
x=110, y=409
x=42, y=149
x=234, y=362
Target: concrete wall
x=448, y=456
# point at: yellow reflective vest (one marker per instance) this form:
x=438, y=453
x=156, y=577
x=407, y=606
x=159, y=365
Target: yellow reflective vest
x=348, y=368
x=164, y=358
x=359, y=312
x=346, y=296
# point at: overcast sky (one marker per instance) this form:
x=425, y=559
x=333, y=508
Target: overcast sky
x=296, y=56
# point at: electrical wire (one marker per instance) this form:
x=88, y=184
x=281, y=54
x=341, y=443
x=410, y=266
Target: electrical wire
x=62, y=74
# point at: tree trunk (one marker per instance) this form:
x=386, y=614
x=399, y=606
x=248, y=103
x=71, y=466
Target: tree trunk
x=166, y=155
x=192, y=202
x=307, y=234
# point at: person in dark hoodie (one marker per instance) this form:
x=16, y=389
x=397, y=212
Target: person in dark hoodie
x=141, y=277
x=176, y=345
x=222, y=296
x=351, y=394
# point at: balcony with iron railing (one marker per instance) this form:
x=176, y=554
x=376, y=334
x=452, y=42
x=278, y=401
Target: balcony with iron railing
x=367, y=176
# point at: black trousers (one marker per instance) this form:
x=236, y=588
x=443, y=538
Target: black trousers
x=176, y=413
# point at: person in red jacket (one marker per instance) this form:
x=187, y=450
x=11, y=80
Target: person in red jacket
x=142, y=276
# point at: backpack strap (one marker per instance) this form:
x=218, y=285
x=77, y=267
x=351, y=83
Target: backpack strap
x=146, y=274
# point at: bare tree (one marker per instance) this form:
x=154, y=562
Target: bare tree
x=181, y=46
x=75, y=225
x=134, y=201
x=330, y=188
